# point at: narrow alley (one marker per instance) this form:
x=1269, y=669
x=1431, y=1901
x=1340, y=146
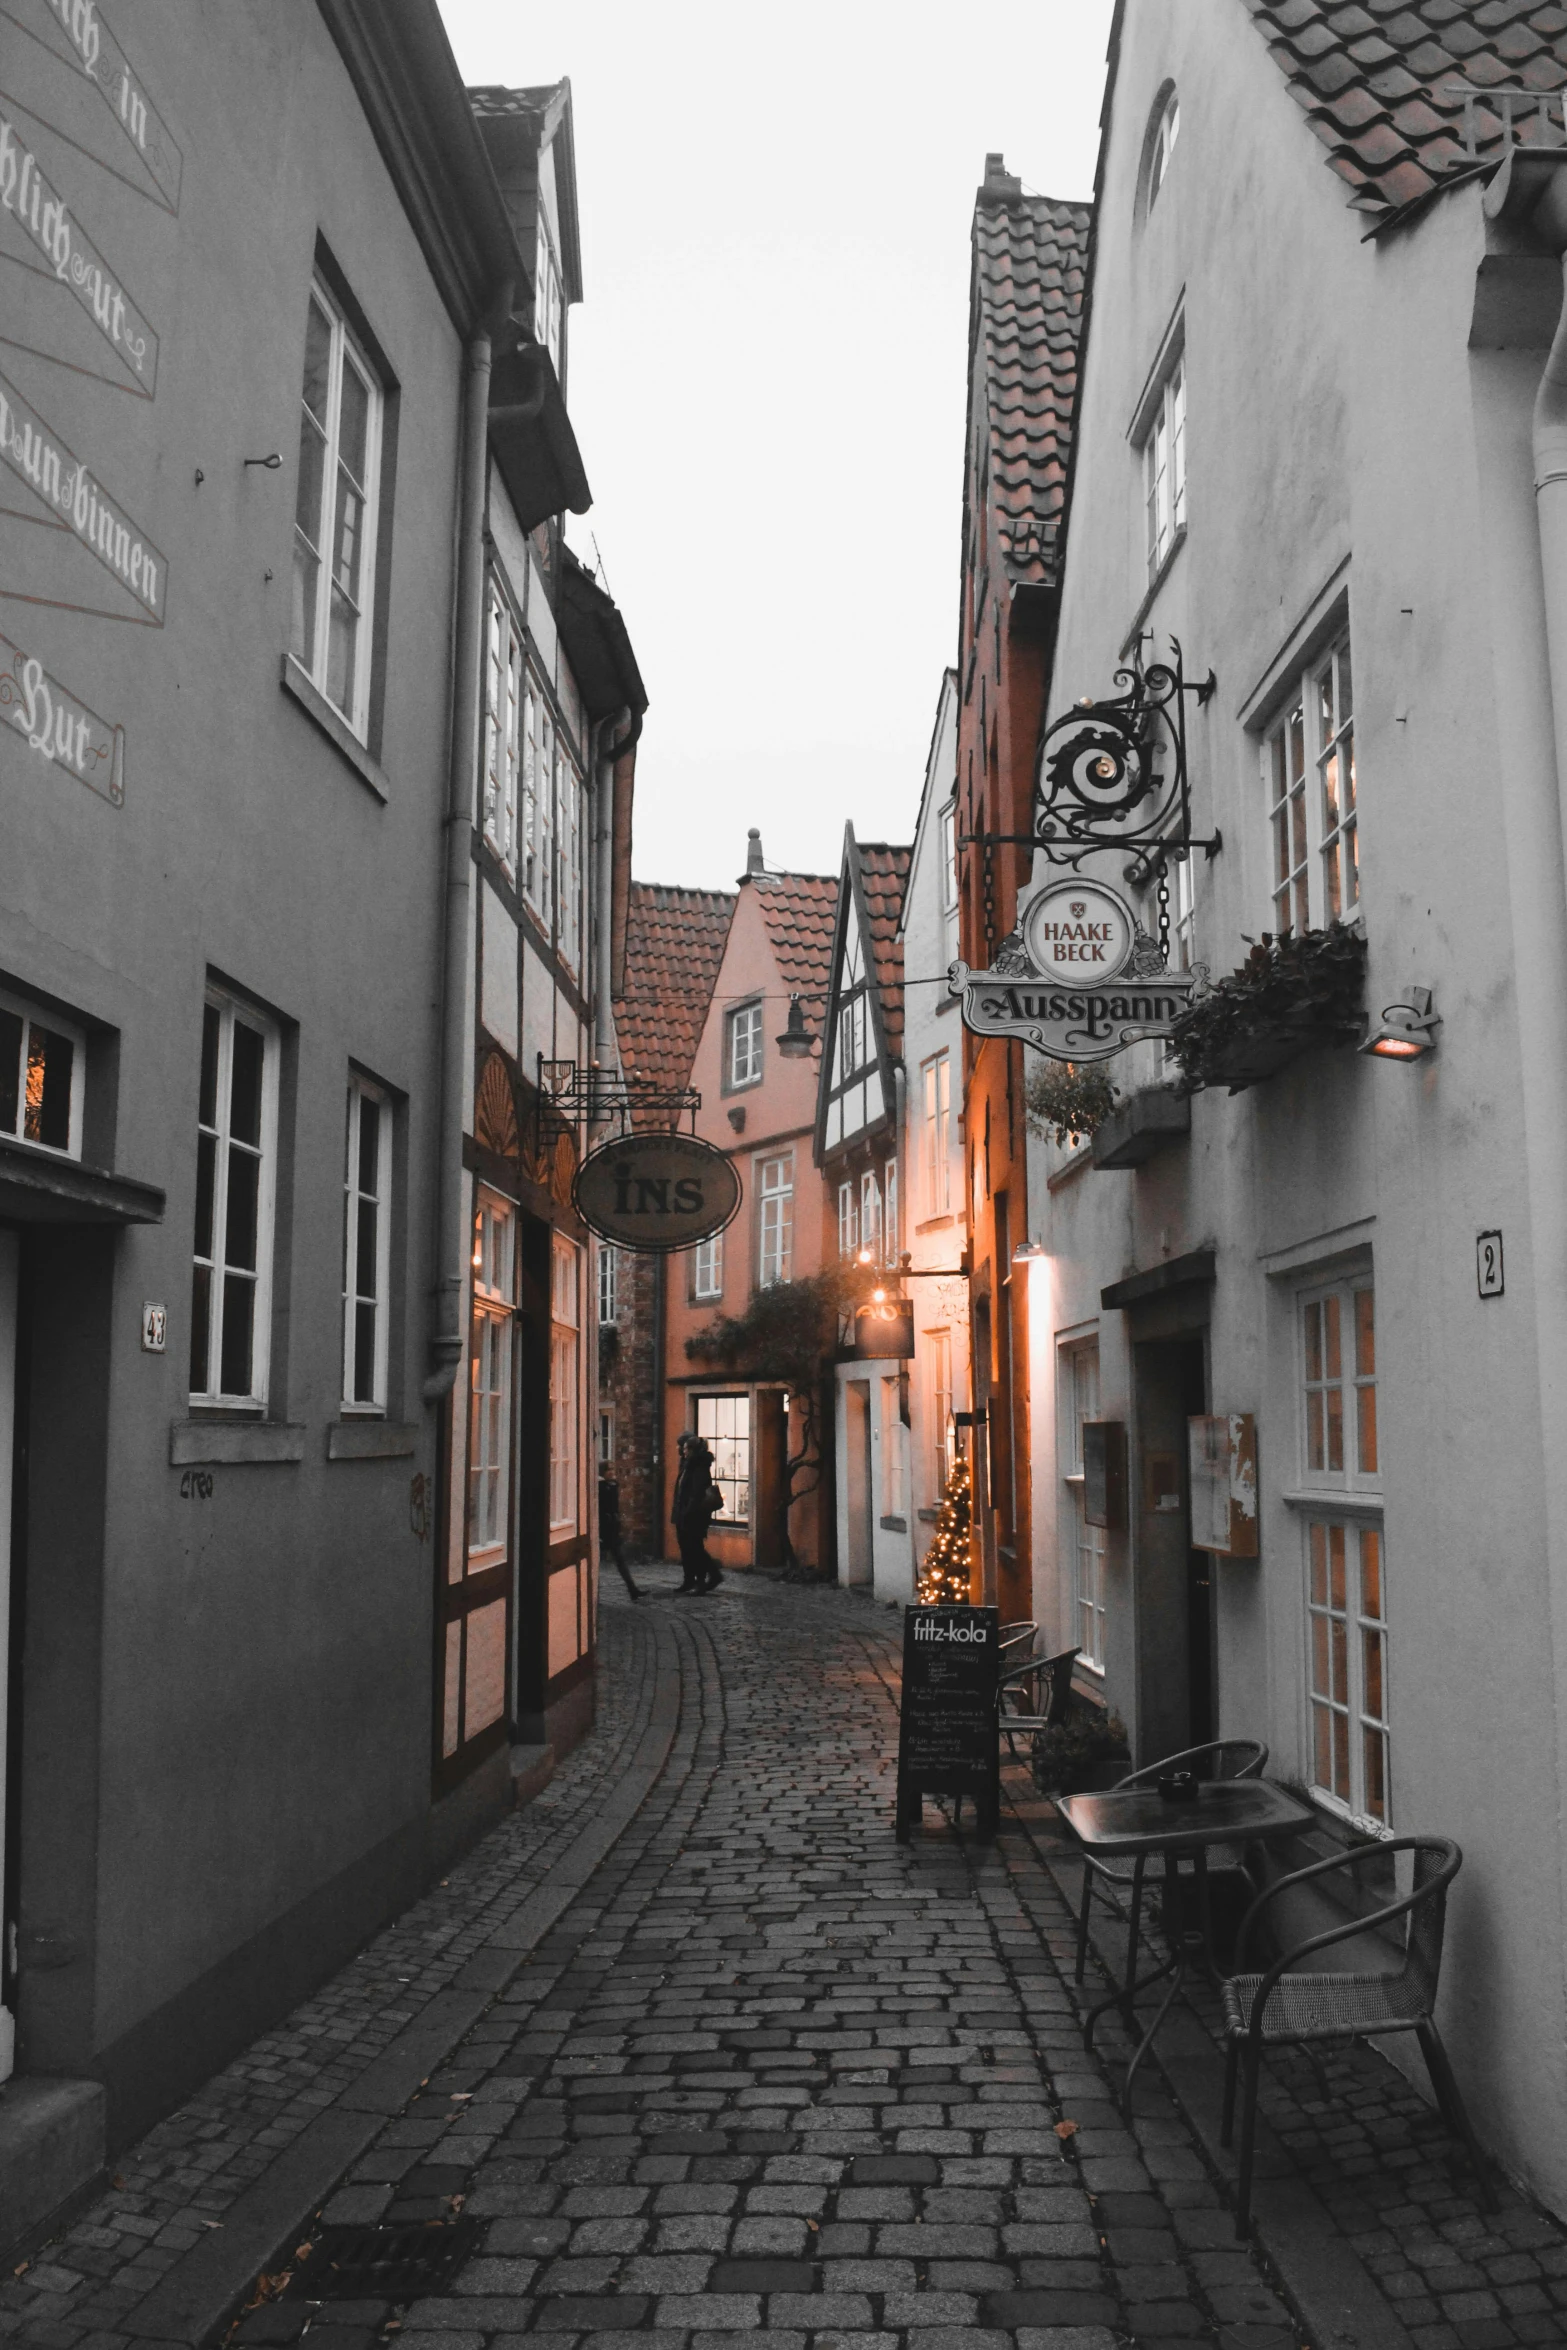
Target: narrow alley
x=690, y=2051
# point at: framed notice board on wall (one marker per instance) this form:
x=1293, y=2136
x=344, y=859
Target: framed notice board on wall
x=948, y=1741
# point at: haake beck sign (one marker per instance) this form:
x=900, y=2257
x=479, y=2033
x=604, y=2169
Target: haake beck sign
x=656, y=1192
x=1079, y=978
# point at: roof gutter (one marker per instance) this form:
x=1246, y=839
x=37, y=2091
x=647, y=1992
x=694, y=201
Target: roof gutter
x=451, y=1237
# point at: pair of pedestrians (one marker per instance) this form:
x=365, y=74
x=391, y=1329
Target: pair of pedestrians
x=697, y=1502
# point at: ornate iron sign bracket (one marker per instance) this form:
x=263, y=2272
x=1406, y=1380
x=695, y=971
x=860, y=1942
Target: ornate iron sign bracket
x=584, y=1095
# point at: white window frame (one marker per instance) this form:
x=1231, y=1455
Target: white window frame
x=490, y=1404
x=848, y=1220
x=707, y=1268
x=853, y=1035
x=938, y=1355
x=774, y=1179
x=549, y=302
x=356, y=1297
x=743, y=1056
x=1348, y=1734
x=506, y=702
x=536, y=836
x=948, y=837
x=311, y=648
x=1164, y=467
x=936, y=1090
x=565, y=1401
x=731, y=1450
x=1312, y=789
x=606, y=1455
x=892, y=1472
x=31, y=1018
x=889, y=1226
x=1078, y=1389
x=568, y=856
x=608, y=1284
x=219, y=1131
x=871, y=1236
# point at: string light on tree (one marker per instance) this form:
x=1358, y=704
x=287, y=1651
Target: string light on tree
x=944, y=1575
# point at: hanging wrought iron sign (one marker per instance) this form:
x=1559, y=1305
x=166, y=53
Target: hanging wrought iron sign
x=654, y=1192
x=1079, y=978
x=1112, y=773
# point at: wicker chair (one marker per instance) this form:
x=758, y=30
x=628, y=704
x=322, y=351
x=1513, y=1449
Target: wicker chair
x=1035, y=1696
x=1283, y=2007
x=1222, y=1758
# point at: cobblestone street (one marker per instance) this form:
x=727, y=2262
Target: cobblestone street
x=700, y=2055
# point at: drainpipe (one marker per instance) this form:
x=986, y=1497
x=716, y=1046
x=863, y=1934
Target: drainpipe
x=451, y=1241
x=609, y=754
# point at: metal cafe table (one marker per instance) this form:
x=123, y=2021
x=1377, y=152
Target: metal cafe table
x=1139, y=1824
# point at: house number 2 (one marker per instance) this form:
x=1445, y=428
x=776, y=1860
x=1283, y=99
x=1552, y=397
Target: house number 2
x=1488, y=1264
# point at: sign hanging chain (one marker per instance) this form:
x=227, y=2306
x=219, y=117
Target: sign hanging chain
x=1162, y=876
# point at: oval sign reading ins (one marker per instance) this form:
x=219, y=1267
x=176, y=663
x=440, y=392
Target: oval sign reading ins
x=656, y=1192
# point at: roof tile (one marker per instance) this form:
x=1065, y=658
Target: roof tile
x=1350, y=64
x=1029, y=259
x=674, y=946
x=884, y=874
x=800, y=911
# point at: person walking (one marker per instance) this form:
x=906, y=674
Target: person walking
x=697, y=1501
x=609, y=1527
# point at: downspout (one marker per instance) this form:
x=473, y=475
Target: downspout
x=610, y=753
x=446, y=1334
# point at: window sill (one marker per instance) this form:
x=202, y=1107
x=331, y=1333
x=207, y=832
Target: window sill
x=342, y=738
x=930, y=1517
x=1074, y=1166
x=205, y=1443
x=1149, y=599
x=1332, y=1501
x=370, y=1440
x=934, y=1224
x=896, y=1525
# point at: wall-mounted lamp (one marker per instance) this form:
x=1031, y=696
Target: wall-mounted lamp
x=1408, y=1029
x=1029, y=1252
x=865, y=1256
x=796, y=1040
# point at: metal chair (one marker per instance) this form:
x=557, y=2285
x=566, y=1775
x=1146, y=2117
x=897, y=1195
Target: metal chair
x=1040, y=1708
x=1283, y=2007
x=1234, y=1758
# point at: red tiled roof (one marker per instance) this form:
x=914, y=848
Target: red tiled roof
x=1030, y=255
x=800, y=911
x=674, y=946
x=884, y=874
x=1374, y=76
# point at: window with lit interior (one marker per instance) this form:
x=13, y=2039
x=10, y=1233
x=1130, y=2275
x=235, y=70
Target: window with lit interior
x=43, y=1063
x=1312, y=788
x=1345, y=1551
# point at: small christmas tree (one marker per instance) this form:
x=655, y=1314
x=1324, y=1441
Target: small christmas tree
x=944, y=1575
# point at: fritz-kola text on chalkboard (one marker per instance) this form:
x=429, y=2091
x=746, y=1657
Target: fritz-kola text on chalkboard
x=947, y=1737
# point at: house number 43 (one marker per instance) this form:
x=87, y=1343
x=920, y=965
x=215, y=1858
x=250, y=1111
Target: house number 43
x=1488, y=1263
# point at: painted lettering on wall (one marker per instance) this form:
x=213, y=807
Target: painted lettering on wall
x=101, y=59
x=196, y=1485
x=70, y=256
x=57, y=725
x=38, y=457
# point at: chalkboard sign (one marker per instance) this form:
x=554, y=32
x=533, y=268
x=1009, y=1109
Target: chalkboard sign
x=948, y=1743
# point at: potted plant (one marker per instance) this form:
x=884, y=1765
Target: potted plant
x=1086, y=1751
x=1068, y=1101
x=1292, y=992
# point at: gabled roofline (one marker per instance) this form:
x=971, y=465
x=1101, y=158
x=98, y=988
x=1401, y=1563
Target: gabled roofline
x=405, y=77
x=851, y=890
x=948, y=694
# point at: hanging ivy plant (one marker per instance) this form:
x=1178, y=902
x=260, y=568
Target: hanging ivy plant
x=1292, y=992
x=1068, y=1101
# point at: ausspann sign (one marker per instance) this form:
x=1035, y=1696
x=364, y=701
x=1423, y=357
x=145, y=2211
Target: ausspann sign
x=1079, y=978
x=656, y=1192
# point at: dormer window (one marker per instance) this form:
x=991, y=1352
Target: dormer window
x=549, y=307
x=1161, y=144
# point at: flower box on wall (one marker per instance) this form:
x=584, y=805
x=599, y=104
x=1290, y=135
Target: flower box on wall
x=1291, y=994
x=1137, y=1128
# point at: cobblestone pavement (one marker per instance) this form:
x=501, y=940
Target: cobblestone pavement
x=772, y=2077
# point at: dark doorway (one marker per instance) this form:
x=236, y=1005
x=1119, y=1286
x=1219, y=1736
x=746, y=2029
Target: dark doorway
x=772, y=1444
x=1177, y=1694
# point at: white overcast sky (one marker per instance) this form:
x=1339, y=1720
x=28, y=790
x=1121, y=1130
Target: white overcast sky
x=767, y=372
